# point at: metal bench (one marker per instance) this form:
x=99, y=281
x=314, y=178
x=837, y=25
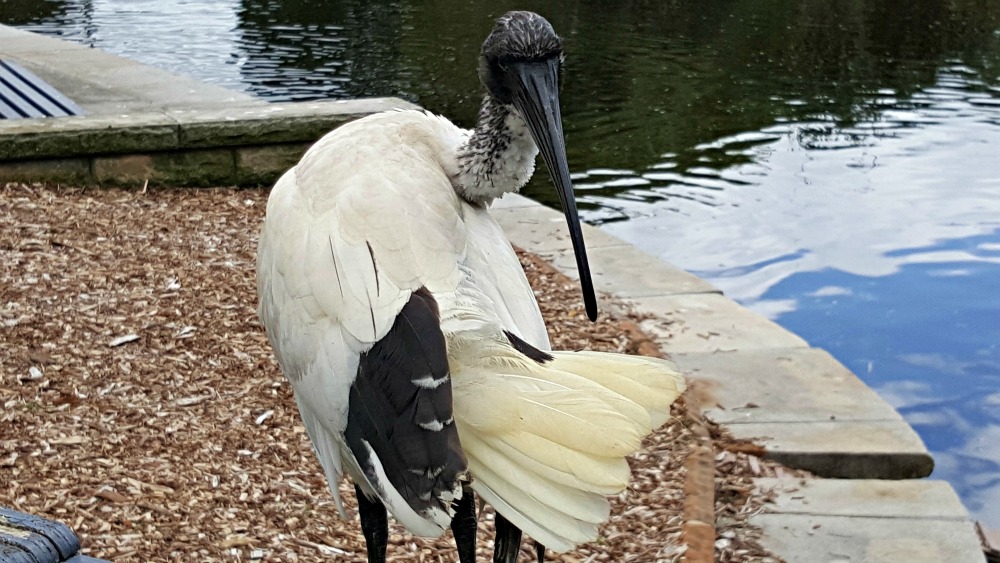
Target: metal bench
x=24, y=95
x=30, y=539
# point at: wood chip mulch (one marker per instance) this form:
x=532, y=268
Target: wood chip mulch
x=141, y=404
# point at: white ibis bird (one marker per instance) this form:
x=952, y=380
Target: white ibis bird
x=418, y=357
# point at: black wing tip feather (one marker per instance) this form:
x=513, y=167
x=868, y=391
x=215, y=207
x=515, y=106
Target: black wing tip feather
x=400, y=407
x=536, y=355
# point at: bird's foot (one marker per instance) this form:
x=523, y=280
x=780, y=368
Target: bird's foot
x=374, y=525
x=463, y=526
x=507, y=542
x=540, y=552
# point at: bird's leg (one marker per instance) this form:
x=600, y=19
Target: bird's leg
x=375, y=526
x=463, y=526
x=507, y=543
x=540, y=552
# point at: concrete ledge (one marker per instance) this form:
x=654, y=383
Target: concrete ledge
x=630, y=273
x=843, y=450
x=840, y=539
x=234, y=126
x=709, y=322
x=243, y=146
x=544, y=229
x=820, y=520
x=29, y=139
x=55, y=170
x=273, y=123
x=808, y=411
x=783, y=385
x=934, y=500
x=144, y=123
x=617, y=266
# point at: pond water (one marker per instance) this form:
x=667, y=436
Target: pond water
x=832, y=164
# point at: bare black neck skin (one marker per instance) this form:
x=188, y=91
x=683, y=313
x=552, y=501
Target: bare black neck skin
x=499, y=156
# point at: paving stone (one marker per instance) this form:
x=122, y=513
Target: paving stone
x=783, y=385
x=617, y=266
x=808, y=411
x=273, y=123
x=860, y=521
x=139, y=117
x=708, y=322
x=544, y=230
x=198, y=168
x=869, y=449
x=264, y=165
x=57, y=170
x=95, y=98
x=192, y=128
x=838, y=539
x=86, y=135
x=202, y=168
x=628, y=273
x=875, y=498
x=123, y=169
x=158, y=89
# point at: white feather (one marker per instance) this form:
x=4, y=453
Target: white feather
x=653, y=383
x=546, y=443
x=595, y=474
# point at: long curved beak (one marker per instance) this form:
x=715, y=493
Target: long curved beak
x=536, y=96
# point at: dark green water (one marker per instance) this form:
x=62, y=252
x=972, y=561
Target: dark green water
x=832, y=164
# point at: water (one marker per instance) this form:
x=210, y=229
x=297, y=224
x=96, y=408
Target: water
x=834, y=165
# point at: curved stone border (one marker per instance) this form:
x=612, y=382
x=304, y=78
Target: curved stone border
x=236, y=145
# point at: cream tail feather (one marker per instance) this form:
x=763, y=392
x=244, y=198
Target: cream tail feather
x=546, y=443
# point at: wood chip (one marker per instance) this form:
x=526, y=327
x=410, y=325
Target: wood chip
x=123, y=340
x=192, y=401
x=237, y=541
x=158, y=429
x=39, y=357
x=111, y=496
x=69, y=440
x=34, y=374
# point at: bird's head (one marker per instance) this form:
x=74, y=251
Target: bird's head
x=519, y=40
x=520, y=65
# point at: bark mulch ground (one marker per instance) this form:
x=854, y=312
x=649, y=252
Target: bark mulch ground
x=141, y=404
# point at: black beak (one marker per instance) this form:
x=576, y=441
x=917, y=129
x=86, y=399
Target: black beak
x=536, y=96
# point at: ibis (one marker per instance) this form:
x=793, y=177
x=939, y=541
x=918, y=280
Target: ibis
x=400, y=315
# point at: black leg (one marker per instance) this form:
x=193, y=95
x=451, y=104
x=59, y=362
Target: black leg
x=507, y=542
x=540, y=552
x=375, y=526
x=463, y=525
